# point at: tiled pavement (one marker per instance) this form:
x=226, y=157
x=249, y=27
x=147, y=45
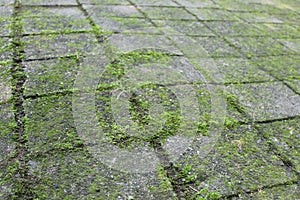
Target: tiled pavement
x=238, y=61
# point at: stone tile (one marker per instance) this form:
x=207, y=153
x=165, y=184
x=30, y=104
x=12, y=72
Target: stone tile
x=239, y=161
x=154, y=3
x=76, y=172
x=5, y=53
x=238, y=70
x=212, y=14
x=260, y=17
x=49, y=2
x=7, y=149
x=259, y=46
x=278, y=30
x=233, y=28
x=128, y=25
x=290, y=191
x=6, y=2
x=98, y=11
x=293, y=44
x=5, y=20
x=45, y=46
x=283, y=135
x=167, y=13
x=50, y=75
x=5, y=83
x=105, y=2
x=197, y=4
x=267, y=101
x=281, y=67
x=295, y=84
x=217, y=47
x=47, y=20
x=131, y=42
x=191, y=28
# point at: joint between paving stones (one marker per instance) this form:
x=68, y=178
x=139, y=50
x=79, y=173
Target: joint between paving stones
x=21, y=177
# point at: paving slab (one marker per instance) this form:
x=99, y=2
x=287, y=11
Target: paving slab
x=51, y=20
x=53, y=45
x=7, y=147
x=136, y=99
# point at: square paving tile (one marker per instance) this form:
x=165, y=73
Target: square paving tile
x=5, y=20
x=5, y=53
x=281, y=67
x=278, y=30
x=260, y=46
x=7, y=149
x=167, y=13
x=45, y=46
x=98, y=11
x=233, y=28
x=239, y=161
x=50, y=75
x=267, y=101
x=49, y=2
x=238, y=70
x=293, y=44
x=105, y=2
x=75, y=167
x=191, y=28
x=47, y=20
x=154, y=3
x=6, y=2
x=212, y=14
x=285, y=138
x=197, y=4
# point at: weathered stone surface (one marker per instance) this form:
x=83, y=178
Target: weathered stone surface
x=47, y=20
x=48, y=46
x=267, y=101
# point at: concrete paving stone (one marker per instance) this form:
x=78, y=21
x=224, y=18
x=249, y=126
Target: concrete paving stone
x=124, y=43
x=49, y=2
x=154, y=3
x=267, y=101
x=235, y=5
x=278, y=30
x=281, y=67
x=259, y=46
x=191, y=28
x=45, y=20
x=60, y=161
x=105, y=2
x=128, y=25
x=284, y=135
x=5, y=20
x=210, y=14
x=293, y=44
x=50, y=75
x=197, y=4
x=290, y=191
x=239, y=161
x=239, y=70
x=99, y=11
x=215, y=46
x=259, y=17
x=234, y=28
x=5, y=82
x=45, y=46
x=166, y=13
x=7, y=149
x=6, y=2
x=5, y=53
x=295, y=84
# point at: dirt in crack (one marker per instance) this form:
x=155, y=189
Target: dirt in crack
x=21, y=178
